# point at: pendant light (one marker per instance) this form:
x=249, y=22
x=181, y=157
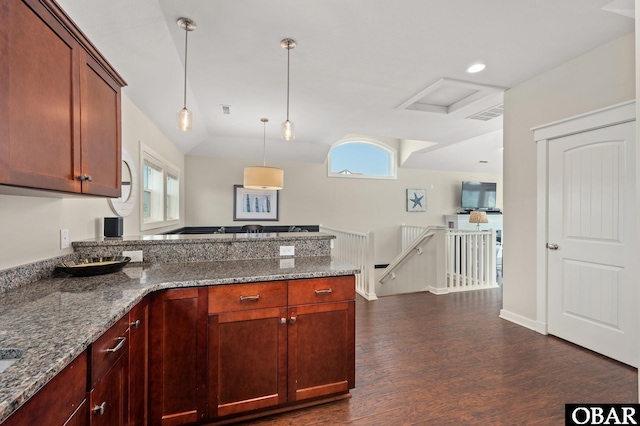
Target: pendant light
x=184, y=117
x=263, y=177
x=288, y=130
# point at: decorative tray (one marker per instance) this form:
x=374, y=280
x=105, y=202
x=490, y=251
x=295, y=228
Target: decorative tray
x=93, y=266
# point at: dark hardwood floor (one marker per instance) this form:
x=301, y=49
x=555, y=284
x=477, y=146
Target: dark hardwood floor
x=438, y=360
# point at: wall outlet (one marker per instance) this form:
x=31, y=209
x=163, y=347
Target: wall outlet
x=287, y=250
x=135, y=255
x=64, y=238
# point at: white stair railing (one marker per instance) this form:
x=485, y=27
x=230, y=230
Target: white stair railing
x=471, y=259
x=421, y=266
x=408, y=233
x=357, y=249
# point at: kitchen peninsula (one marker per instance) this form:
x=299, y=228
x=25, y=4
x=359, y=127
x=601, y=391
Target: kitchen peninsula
x=231, y=328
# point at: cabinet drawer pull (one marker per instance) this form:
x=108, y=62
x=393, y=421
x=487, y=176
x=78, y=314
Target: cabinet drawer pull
x=243, y=298
x=119, y=345
x=135, y=324
x=324, y=291
x=99, y=409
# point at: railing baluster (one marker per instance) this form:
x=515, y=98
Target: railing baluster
x=355, y=248
x=470, y=260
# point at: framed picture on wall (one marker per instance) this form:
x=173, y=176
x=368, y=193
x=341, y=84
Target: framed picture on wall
x=416, y=200
x=254, y=204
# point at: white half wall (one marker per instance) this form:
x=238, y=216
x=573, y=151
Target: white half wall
x=30, y=225
x=310, y=197
x=602, y=77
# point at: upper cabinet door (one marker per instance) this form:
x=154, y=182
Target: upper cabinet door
x=100, y=130
x=40, y=77
x=59, y=104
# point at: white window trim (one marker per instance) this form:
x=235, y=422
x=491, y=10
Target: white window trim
x=148, y=154
x=393, y=165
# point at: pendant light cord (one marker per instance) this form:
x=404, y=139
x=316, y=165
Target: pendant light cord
x=288, y=61
x=186, y=40
x=264, y=144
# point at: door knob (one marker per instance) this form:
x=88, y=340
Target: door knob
x=552, y=246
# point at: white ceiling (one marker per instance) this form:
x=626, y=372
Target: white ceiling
x=357, y=62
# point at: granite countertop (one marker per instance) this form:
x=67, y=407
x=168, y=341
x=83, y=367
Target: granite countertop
x=200, y=238
x=53, y=320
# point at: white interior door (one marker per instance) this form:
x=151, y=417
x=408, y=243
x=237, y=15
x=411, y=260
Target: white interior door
x=592, y=289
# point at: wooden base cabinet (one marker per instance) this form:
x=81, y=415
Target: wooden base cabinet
x=60, y=402
x=247, y=347
x=274, y=344
x=109, y=376
x=177, y=370
x=139, y=364
x=321, y=356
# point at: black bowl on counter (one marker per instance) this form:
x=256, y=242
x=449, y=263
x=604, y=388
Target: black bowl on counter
x=93, y=266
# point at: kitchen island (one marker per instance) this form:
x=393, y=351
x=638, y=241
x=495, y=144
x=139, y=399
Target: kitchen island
x=53, y=321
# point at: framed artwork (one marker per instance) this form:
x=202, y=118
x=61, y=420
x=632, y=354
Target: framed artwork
x=254, y=204
x=416, y=200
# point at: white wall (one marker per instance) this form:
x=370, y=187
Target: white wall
x=30, y=225
x=310, y=197
x=602, y=77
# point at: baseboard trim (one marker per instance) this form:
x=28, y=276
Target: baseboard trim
x=519, y=319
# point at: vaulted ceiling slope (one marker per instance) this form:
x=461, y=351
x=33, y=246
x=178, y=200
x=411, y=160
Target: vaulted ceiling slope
x=356, y=65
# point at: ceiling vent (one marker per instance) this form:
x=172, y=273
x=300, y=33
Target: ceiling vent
x=488, y=114
x=447, y=96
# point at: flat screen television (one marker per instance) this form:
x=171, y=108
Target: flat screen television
x=478, y=195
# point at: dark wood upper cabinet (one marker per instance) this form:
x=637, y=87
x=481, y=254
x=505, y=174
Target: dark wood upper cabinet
x=59, y=104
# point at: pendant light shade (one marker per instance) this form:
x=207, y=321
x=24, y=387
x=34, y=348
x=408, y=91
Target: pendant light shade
x=263, y=177
x=184, y=117
x=288, y=130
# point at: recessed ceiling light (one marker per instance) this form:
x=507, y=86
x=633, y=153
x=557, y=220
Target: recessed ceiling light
x=476, y=68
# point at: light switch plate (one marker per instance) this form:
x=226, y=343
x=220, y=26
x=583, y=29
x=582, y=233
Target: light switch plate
x=64, y=238
x=287, y=250
x=135, y=255
x=287, y=263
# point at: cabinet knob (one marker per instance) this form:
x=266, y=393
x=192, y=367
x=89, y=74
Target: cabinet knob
x=135, y=324
x=83, y=178
x=283, y=320
x=99, y=409
x=292, y=320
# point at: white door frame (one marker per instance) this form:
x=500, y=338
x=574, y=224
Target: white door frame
x=543, y=135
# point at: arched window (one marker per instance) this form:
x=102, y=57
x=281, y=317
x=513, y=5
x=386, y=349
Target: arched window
x=362, y=159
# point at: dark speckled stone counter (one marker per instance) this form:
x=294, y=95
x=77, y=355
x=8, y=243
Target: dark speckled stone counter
x=53, y=320
x=197, y=248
